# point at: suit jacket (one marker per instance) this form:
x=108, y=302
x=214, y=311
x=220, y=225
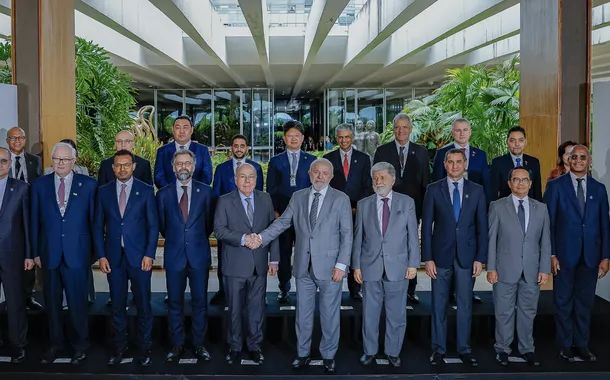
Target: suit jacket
x=511, y=252
x=393, y=253
x=466, y=238
x=478, y=169
x=278, y=178
x=69, y=236
x=224, y=177
x=231, y=223
x=416, y=175
x=164, y=173
x=15, y=222
x=358, y=184
x=33, y=166
x=143, y=172
x=500, y=166
x=186, y=242
x=572, y=234
x=328, y=244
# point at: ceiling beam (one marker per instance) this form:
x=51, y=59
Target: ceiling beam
x=257, y=17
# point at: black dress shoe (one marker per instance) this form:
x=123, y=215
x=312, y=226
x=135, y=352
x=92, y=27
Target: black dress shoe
x=166, y=299
x=329, y=365
x=502, y=358
x=175, y=354
x=476, y=299
x=202, y=354
x=283, y=297
x=566, y=354
x=18, y=356
x=300, y=363
x=32, y=304
x=394, y=361
x=78, y=357
x=469, y=359
x=218, y=299
x=233, y=357
x=367, y=360
x=585, y=354
x=436, y=358
x=50, y=355
x=117, y=357
x=530, y=359
x=413, y=298
x=145, y=359
x=109, y=302
x=356, y=296
x=257, y=356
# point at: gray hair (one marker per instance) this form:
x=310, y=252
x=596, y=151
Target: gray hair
x=184, y=151
x=322, y=160
x=401, y=116
x=455, y=151
x=64, y=145
x=383, y=166
x=7, y=151
x=459, y=120
x=245, y=164
x=15, y=127
x=344, y=127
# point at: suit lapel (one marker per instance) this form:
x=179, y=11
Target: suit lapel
x=195, y=201
x=325, y=207
x=569, y=188
x=533, y=214
x=173, y=193
x=259, y=207
x=73, y=191
x=240, y=207
x=8, y=193
x=133, y=197
x=589, y=191
x=303, y=163
x=510, y=206
x=375, y=213
x=115, y=199
x=445, y=192
x=465, y=198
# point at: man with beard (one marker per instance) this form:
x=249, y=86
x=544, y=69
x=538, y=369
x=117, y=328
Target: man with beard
x=322, y=219
x=224, y=183
x=185, y=220
x=127, y=231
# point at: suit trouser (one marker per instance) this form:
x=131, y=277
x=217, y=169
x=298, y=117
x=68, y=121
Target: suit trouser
x=284, y=274
x=221, y=287
x=176, y=286
x=140, y=287
x=440, y=301
x=330, y=317
x=29, y=281
x=525, y=297
x=573, y=297
x=246, y=295
x=12, y=281
x=73, y=281
x=393, y=294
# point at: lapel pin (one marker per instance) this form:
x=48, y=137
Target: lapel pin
x=355, y=161
x=525, y=162
x=473, y=153
x=466, y=195
x=75, y=194
x=412, y=152
x=197, y=190
x=137, y=193
x=590, y=196
x=12, y=189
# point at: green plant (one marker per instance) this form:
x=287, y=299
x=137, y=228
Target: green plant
x=6, y=74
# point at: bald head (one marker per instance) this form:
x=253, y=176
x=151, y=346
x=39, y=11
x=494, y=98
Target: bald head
x=124, y=140
x=15, y=138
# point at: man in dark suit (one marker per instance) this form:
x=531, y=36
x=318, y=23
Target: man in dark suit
x=238, y=214
x=185, y=220
x=25, y=167
x=164, y=173
x=224, y=183
x=287, y=173
x=412, y=171
x=126, y=234
x=352, y=175
x=455, y=247
x=62, y=215
x=15, y=254
x=124, y=140
x=500, y=166
x=580, y=240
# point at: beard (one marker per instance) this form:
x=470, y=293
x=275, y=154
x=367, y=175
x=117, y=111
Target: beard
x=382, y=192
x=184, y=175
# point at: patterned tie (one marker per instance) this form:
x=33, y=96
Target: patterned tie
x=237, y=165
x=313, y=213
x=61, y=193
x=521, y=215
x=463, y=150
x=456, y=201
x=123, y=200
x=250, y=211
x=518, y=160
x=295, y=162
x=184, y=203
x=18, y=172
x=580, y=195
x=385, y=218
x=182, y=147
x=401, y=157
x=345, y=166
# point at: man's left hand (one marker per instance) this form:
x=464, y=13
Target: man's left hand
x=28, y=264
x=273, y=269
x=411, y=273
x=147, y=263
x=338, y=274
x=603, y=268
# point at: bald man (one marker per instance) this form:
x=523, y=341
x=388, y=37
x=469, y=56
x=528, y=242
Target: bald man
x=124, y=140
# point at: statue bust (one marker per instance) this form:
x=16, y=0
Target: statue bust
x=359, y=136
x=372, y=140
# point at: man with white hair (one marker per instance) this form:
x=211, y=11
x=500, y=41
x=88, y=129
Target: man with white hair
x=322, y=219
x=62, y=216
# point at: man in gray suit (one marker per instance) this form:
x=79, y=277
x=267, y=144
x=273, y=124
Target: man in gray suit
x=519, y=261
x=385, y=257
x=238, y=214
x=322, y=219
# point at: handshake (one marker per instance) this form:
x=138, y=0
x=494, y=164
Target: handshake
x=252, y=241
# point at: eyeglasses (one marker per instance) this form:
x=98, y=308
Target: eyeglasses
x=16, y=138
x=524, y=181
x=582, y=157
x=251, y=177
x=4, y=161
x=187, y=164
x=123, y=166
x=123, y=142
x=62, y=161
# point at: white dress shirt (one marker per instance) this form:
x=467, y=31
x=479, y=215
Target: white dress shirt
x=67, y=185
x=575, y=184
x=526, y=206
x=119, y=185
x=189, y=192
x=320, y=202
x=23, y=164
x=186, y=146
x=3, y=183
x=234, y=161
x=460, y=189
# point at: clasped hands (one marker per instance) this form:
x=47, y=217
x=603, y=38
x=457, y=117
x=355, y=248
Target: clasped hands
x=252, y=241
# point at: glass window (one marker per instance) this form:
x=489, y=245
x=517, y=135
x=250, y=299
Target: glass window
x=336, y=108
x=370, y=107
x=169, y=107
x=396, y=99
x=227, y=104
x=199, y=108
x=260, y=135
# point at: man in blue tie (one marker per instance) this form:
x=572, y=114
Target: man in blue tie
x=454, y=244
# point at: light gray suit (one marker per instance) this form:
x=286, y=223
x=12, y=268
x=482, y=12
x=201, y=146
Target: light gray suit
x=518, y=258
x=315, y=255
x=383, y=260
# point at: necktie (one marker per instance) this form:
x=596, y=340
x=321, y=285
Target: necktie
x=313, y=213
x=61, y=192
x=295, y=161
x=18, y=173
x=345, y=165
x=463, y=150
x=580, y=195
x=182, y=147
x=385, y=216
x=518, y=160
x=456, y=201
x=401, y=157
x=250, y=211
x=123, y=200
x=521, y=215
x=184, y=203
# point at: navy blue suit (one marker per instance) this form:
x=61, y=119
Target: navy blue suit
x=478, y=169
x=64, y=245
x=139, y=230
x=186, y=255
x=278, y=186
x=500, y=166
x=358, y=184
x=580, y=243
x=164, y=173
x=453, y=246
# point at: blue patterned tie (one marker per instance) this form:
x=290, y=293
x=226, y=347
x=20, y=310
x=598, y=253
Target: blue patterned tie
x=456, y=201
x=313, y=213
x=518, y=160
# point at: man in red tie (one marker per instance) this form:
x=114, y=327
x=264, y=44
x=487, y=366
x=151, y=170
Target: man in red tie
x=352, y=175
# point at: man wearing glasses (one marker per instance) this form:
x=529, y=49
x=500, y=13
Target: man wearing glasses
x=124, y=140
